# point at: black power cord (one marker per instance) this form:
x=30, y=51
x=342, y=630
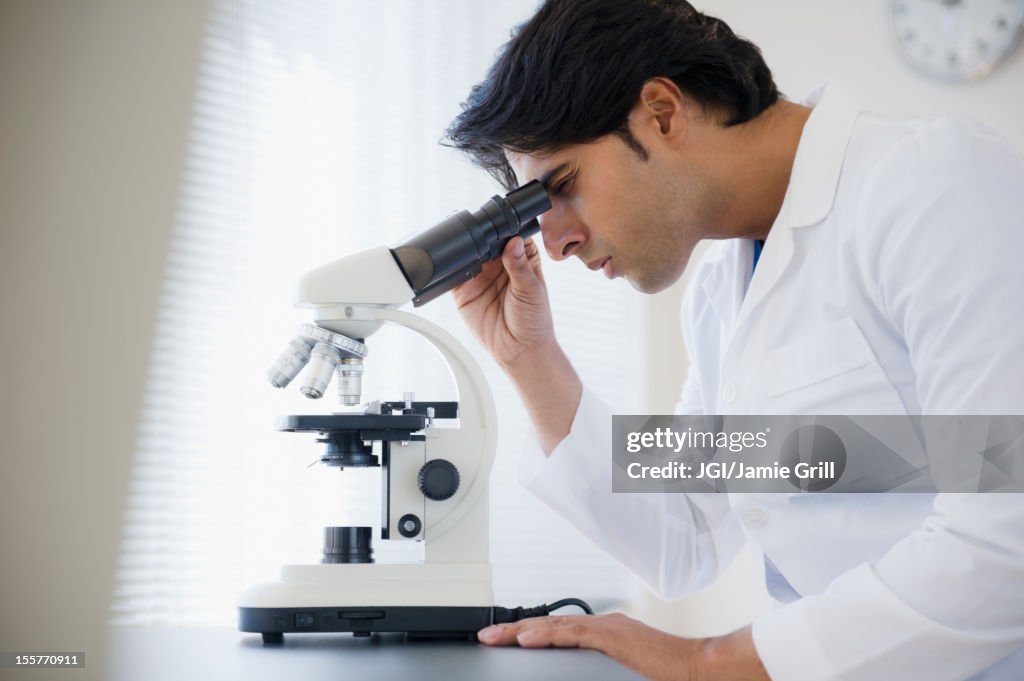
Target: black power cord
x=500, y=615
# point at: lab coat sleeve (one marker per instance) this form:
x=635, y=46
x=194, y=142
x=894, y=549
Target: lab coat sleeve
x=675, y=543
x=945, y=255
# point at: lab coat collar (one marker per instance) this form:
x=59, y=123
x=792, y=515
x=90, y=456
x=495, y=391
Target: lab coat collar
x=820, y=154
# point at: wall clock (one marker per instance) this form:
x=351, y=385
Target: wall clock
x=957, y=40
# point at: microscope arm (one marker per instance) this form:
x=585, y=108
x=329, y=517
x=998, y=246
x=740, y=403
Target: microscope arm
x=354, y=296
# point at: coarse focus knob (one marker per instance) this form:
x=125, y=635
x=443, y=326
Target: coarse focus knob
x=438, y=479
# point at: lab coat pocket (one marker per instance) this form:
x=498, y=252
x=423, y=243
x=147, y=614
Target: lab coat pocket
x=830, y=370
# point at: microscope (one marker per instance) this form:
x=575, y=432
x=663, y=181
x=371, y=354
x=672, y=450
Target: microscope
x=435, y=458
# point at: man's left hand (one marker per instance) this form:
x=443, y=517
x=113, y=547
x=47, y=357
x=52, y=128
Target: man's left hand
x=655, y=654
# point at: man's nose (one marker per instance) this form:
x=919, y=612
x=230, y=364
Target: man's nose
x=563, y=235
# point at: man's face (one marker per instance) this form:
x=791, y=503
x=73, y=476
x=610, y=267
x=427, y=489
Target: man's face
x=634, y=218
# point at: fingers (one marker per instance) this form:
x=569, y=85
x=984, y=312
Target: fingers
x=491, y=278
x=523, y=271
x=520, y=255
x=493, y=272
x=499, y=635
x=568, y=635
x=542, y=632
x=533, y=256
x=531, y=248
x=514, y=256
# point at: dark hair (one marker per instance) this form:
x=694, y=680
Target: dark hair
x=574, y=71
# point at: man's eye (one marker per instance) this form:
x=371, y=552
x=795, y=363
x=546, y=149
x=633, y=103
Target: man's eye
x=562, y=185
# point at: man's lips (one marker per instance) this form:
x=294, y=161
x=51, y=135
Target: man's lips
x=603, y=264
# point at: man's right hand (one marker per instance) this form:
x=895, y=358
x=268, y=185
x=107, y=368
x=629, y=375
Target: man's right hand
x=507, y=308
x=506, y=305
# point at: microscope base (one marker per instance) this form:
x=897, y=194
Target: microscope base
x=436, y=600
x=415, y=621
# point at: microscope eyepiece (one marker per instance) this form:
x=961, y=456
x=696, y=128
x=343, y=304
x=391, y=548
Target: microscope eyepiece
x=453, y=251
x=528, y=202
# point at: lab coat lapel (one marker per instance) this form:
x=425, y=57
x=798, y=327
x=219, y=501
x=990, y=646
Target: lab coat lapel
x=771, y=266
x=723, y=287
x=809, y=198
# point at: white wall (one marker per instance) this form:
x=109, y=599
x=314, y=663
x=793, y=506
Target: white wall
x=95, y=100
x=806, y=42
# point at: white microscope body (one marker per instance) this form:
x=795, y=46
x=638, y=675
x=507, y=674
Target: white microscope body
x=353, y=297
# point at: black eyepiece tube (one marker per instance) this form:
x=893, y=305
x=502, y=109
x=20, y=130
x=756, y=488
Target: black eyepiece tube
x=440, y=258
x=529, y=201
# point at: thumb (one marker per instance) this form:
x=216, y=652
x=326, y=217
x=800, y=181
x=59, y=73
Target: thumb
x=522, y=278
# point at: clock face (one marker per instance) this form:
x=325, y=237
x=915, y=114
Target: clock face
x=957, y=39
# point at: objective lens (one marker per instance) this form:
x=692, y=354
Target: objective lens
x=348, y=545
x=289, y=363
x=350, y=381
x=321, y=367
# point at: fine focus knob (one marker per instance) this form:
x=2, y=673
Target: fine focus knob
x=438, y=479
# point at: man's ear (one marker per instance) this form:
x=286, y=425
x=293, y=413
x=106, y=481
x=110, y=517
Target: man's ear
x=662, y=107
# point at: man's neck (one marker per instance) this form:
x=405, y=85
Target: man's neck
x=760, y=157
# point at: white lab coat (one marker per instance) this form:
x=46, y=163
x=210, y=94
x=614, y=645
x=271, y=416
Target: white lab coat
x=891, y=283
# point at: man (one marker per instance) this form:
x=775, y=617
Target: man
x=889, y=284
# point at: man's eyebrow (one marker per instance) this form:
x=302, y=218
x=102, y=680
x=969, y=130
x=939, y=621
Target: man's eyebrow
x=546, y=177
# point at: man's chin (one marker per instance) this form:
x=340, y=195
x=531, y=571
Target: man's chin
x=649, y=285
x=651, y=281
